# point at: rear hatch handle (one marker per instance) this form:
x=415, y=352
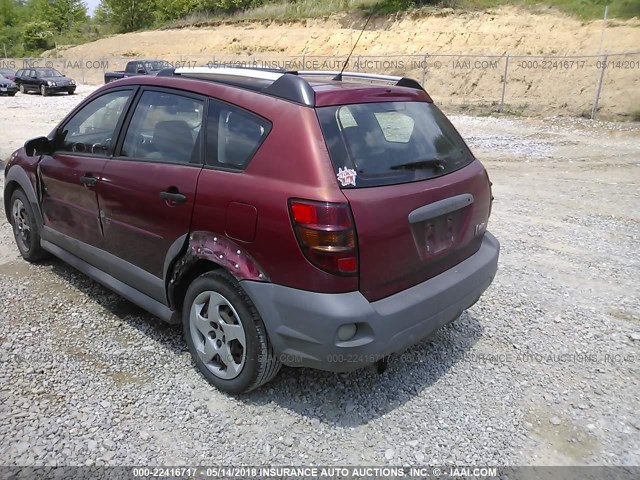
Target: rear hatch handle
x=441, y=207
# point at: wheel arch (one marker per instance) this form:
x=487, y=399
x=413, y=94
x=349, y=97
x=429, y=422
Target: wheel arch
x=205, y=252
x=18, y=178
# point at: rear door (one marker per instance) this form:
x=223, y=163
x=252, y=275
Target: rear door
x=69, y=176
x=149, y=187
x=420, y=201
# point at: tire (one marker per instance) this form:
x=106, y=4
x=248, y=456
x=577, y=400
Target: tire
x=25, y=228
x=43, y=91
x=71, y=92
x=22, y=89
x=244, y=367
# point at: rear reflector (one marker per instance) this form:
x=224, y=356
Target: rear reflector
x=326, y=235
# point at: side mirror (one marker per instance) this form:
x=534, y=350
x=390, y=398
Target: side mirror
x=37, y=146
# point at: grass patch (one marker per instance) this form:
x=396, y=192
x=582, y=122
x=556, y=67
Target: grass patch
x=281, y=10
x=301, y=9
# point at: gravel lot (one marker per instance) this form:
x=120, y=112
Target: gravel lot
x=545, y=369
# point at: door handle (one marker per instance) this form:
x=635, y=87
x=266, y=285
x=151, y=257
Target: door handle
x=173, y=197
x=89, y=180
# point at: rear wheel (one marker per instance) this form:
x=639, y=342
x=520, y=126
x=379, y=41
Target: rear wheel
x=43, y=90
x=226, y=336
x=25, y=228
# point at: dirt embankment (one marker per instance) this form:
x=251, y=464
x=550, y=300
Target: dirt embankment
x=540, y=82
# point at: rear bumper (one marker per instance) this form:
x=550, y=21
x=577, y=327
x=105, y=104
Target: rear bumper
x=303, y=325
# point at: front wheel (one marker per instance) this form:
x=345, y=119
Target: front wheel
x=22, y=90
x=43, y=90
x=71, y=91
x=25, y=228
x=226, y=336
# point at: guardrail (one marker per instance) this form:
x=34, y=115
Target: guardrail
x=586, y=85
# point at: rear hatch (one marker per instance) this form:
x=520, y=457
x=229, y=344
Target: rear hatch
x=420, y=200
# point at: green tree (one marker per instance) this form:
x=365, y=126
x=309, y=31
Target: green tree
x=127, y=15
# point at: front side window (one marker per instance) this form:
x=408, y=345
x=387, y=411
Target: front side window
x=233, y=135
x=388, y=143
x=165, y=127
x=49, y=72
x=92, y=129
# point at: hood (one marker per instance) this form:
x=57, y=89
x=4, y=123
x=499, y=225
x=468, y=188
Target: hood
x=6, y=82
x=58, y=80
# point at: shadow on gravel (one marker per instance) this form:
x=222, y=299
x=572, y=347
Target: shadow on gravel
x=357, y=398
x=338, y=399
x=169, y=335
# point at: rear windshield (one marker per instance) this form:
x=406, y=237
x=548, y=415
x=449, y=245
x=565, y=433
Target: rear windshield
x=386, y=143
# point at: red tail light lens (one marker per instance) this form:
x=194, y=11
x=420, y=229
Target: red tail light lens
x=326, y=235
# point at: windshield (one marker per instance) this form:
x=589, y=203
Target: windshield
x=391, y=142
x=156, y=65
x=49, y=72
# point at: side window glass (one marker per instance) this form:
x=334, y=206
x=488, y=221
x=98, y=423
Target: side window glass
x=233, y=135
x=92, y=129
x=165, y=127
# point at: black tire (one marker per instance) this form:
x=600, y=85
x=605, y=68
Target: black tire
x=28, y=242
x=22, y=89
x=260, y=362
x=43, y=91
x=71, y=92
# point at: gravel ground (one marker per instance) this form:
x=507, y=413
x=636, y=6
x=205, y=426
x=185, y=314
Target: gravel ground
x=545, y=369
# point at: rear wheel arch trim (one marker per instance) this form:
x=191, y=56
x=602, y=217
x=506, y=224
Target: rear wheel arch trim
x=215, y=249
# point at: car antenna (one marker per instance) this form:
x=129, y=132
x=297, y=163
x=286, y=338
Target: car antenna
x=346, y=62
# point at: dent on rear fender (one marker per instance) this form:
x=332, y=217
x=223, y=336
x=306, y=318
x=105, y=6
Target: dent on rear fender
x=227, y=254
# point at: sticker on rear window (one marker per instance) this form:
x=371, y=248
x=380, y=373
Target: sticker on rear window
x=347, y=176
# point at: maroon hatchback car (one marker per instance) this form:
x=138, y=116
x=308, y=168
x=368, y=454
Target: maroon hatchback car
x=310, y=219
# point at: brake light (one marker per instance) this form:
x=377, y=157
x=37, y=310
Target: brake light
x=326, y=235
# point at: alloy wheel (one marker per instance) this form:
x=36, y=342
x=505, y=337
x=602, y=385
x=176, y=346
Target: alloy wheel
x=22, y=224
x=218, y=335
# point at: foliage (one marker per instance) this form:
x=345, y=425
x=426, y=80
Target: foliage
x=27, y=27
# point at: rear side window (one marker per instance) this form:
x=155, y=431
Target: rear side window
x=233, y=135
x=165, y=127
x=386, y=143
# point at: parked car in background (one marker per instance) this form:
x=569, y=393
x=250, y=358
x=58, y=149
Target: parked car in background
x=135, y=68
x=302, y=218
x=8, y=73
x=44, y=80
x=7, y=87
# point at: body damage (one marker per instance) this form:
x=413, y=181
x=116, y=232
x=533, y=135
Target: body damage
x=210, y=247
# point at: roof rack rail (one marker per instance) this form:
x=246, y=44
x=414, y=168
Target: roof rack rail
x=398, y=81
x=285, y=84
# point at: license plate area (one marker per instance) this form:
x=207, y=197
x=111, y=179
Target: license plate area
x=435, y=236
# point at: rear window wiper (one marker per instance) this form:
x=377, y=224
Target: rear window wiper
x=429, y=163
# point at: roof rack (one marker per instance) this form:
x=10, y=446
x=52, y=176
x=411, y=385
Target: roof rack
x=285, y=84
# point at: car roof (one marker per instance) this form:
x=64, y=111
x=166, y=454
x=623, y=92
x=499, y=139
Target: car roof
x=313, y=89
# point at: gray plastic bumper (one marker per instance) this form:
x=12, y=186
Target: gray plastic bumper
x=303, y=326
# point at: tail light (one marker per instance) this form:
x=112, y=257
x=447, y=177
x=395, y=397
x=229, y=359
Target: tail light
x=326, y=235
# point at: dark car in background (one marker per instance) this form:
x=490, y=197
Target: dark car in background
x=310, y=219
x=44, y=80
x=7, y=87
x=135, y=68
x=8, y=73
